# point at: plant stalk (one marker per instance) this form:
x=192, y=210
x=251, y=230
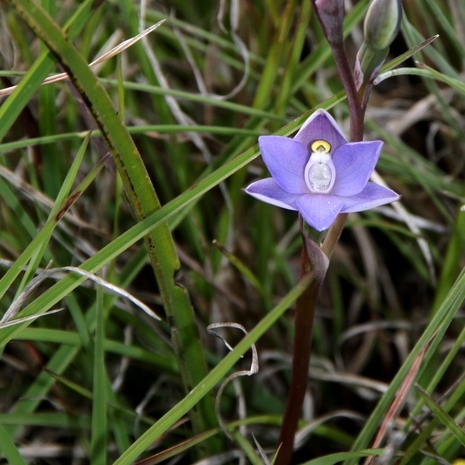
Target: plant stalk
x=310, y=263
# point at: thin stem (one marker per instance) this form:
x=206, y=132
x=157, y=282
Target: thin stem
x=330, y=14
x=356, y=111
x=333, y=235
x=304, y=315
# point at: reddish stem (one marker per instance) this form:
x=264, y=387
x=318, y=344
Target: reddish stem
x=304, y=315
x=357, y=113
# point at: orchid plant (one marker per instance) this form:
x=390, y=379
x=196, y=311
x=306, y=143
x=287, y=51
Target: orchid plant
x=324, y=177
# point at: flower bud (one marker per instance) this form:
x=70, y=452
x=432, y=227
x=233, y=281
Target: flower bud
x=367, y=63
x=331, y=16
x=382, y=23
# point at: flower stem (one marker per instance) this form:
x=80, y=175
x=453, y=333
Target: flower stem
x=333, y=235
x=304, y=315
x=356, y=111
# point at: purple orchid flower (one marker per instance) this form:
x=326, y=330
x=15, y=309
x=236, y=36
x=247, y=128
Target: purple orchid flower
x=320, y=174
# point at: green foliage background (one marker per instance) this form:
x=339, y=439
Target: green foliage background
x=132, y=172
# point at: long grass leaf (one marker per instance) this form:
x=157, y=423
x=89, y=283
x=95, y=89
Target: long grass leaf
x=99, y=412
x=9, y=450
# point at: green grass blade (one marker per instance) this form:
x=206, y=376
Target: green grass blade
x=157, y=128
x=9, y=450
x=98, y=444
x=341, y=456
x=448, y=422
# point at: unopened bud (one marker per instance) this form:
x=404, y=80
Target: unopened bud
x=382, y=23
x=381, y=26
x=331, y=16
x=368, y=63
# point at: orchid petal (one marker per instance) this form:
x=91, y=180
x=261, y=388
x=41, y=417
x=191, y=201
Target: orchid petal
x=285, y=159
x=319, y=210
x=267, y=190
x=373, y=195
x=321, y=125
x=354, y=163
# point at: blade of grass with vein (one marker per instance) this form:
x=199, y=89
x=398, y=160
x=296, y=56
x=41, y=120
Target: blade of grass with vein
x=192, y=97
x=406, y=55
x=412, y=36
x=187, y=444
x=117, y=419
x=421, y=441
x=448, y=28
x=451, y=261
x=247, y=448
x=142, y=197
x=456, y=395
x=79, y=320
x=448, y=446
x=154, y=129
x=427, y=71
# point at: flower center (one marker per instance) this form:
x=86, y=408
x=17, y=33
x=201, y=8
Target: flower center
x=319, y=172
x=320, y=176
